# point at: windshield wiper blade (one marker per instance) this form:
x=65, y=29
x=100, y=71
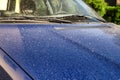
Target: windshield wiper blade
x=48, y=18
x=70, y=18
x=75, y=17
x=59, y=20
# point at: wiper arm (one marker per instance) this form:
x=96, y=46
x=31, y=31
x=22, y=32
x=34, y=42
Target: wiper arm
x=70, y=18
x=48, y=18
x=59, y=20
x=75, y=17
x=95, y=19
x=35, y=18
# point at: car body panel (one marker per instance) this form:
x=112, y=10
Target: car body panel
x=11, y=69
x=87, y=51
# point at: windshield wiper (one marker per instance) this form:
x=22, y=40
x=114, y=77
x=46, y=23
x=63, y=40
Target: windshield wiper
x=35, y=18
x=59, y=20
x=69, y=18
x=47, y=18
x=79, y=18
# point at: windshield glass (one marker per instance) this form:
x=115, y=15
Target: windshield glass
x=46, y=8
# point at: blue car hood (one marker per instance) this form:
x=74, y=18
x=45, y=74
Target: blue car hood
x=64, y=51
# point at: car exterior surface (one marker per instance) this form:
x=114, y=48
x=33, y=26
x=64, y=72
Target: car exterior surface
x=56, y=40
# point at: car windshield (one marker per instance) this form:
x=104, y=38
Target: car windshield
x=43, y=8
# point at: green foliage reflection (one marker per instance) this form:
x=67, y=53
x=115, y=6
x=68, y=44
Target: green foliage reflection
x=110, y=13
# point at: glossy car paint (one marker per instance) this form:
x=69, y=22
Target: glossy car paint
x=86, y=51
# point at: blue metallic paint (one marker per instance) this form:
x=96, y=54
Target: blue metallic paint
x=64, y=51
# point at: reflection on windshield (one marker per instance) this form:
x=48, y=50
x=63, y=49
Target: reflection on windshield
x=3, y=6
x=47, y=8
